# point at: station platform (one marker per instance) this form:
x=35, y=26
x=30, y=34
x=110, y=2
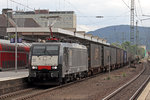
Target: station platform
x=11, y=81
x=145, y=95
x=10, y=75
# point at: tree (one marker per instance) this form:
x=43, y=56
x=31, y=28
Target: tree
x=132, y=49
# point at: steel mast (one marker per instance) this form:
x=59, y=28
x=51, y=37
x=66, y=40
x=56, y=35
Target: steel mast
x=132, y=22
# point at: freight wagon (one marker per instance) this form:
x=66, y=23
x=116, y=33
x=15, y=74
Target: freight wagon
x=95, y=58
x=106, y=57
x=113, y=57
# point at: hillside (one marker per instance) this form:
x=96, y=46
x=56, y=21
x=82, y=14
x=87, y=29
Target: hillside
x=121, y=33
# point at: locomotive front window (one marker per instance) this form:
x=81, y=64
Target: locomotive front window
x=38, y=50
x=52, y=50
x=45, y=50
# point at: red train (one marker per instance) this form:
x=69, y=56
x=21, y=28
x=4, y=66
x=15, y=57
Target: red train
x=7, y=55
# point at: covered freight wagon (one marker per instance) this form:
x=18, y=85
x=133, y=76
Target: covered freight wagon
x=118, y=57
x=106, y=55
x=124, y=57
x=95, y=57
x=113, y=56
x=121, y=56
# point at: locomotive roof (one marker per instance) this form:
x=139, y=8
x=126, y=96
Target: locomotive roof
x=73, y=45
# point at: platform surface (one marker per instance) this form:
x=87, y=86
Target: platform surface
x=9, y=75
x=145, y=95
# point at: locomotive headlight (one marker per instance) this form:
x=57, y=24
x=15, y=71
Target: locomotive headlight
x=34, y=67
x=54, y=67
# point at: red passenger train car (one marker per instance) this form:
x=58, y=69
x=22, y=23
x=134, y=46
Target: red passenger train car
x=7, y=55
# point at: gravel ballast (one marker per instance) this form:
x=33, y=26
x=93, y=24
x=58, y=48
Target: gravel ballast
x=95, y=88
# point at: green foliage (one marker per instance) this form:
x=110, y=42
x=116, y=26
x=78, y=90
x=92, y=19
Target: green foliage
x=12, y=36
x=117, y=45
x=124, y=74
x=132, y=49
x=108, y=78
x=141, y=52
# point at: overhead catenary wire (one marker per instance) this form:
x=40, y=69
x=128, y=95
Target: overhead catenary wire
x=72, y=6
x=21, y=4
x=126, y=4
x=140, y=7
x=136, y=13
x=101, y=16
x=76, y=9
x=109, y=18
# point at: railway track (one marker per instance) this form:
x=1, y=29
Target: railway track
x=33, y=92
x=13, y=95
x=131, y=90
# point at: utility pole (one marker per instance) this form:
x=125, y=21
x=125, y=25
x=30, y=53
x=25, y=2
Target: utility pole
x=123, y=37
x=137, y=35
x=132, y=22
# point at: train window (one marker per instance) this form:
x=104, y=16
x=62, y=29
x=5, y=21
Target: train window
x=45, y=50
x=52, y=50
x=38, y=50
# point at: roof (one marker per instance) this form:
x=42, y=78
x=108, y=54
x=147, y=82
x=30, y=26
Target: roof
x=21, y=22
x=3, y=21
x=44, y=12
x=72, y=45
x=26, y=22
x=45, y=31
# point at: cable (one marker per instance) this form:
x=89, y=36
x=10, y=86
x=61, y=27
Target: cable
x=125, y=4
x=136, y=14
x=21, y=4
x=101, y=16
x=7, y=3
x=73, y=6
x=77, y=9
x=140, y=6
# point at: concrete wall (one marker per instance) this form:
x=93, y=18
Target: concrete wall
x=67, y=20
x=12, y=85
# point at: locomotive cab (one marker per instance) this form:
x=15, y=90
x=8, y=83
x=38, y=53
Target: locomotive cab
x=57, y=62
x=44, y=62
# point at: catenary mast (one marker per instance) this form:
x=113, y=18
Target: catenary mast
x=132, y=22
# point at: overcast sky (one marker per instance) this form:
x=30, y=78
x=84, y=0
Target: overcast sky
x=115, y=12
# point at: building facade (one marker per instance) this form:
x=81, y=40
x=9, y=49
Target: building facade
x=59, y=19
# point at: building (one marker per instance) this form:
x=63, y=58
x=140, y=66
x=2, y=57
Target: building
x=32, y=26
x=7, y=20
x=60, y=19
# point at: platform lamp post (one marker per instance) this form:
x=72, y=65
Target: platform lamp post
x=16, y=45
x=109, y=60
